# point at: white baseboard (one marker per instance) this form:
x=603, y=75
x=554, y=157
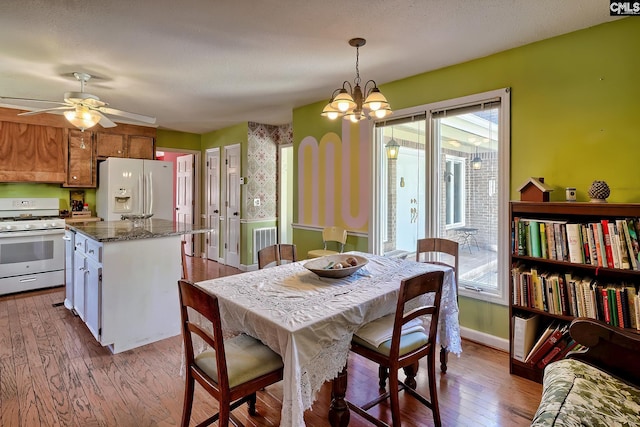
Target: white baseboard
x=485, y=339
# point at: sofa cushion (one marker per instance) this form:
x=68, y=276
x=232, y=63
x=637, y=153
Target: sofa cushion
x=577, y=394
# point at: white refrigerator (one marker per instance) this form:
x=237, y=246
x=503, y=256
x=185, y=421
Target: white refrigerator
x=135, y=186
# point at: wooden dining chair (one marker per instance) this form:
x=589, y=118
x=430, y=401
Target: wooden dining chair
x=276, y=255
x=233, y=370
x=185, y=271
x=434, y=250
x=335, y=235
x=405, y=350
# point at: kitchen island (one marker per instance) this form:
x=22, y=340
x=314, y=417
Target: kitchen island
x=124, y=280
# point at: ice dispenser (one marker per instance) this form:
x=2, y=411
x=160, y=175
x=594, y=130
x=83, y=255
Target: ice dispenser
x=122, y=201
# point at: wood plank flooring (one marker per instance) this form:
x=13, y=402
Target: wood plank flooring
x=53, y=373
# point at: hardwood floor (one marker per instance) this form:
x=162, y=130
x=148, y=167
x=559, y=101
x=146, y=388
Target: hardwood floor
x=53, y=373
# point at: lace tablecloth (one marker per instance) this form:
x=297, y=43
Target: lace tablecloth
x=310, y=320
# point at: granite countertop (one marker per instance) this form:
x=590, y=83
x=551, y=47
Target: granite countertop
x=116, y=231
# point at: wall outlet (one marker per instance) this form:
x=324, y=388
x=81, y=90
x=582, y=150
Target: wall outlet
x=256, y=201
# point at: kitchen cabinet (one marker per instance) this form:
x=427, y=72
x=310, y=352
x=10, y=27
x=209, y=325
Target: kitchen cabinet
x=110, y=145
x=87, y=282
x=122, y=145
x=141, y=147
x=82, y=164
x=31, y=153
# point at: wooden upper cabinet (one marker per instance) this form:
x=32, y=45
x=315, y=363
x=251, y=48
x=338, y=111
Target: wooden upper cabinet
x=31, y=153
x=141, y=147
x=82, y=160
x=110, y=145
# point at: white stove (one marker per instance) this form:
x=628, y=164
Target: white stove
x=31, y=244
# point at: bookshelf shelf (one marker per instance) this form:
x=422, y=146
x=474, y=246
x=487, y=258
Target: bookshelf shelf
x=552, y=310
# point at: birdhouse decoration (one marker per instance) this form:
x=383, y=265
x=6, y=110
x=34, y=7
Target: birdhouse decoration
x=535, y=190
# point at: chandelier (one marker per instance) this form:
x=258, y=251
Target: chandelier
x=354, y=103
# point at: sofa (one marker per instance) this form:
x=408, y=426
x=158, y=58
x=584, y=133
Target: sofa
x=598, y=386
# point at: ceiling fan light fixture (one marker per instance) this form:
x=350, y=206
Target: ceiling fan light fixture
x=352, y=102
x=82, y=117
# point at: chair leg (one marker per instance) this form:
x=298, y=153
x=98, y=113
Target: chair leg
x=411, y=371
x=444, y=356
x=394, y=391
x=225, y=412
x=431, y=368
x=188, y=400
x=383, y=374
x=252, y=404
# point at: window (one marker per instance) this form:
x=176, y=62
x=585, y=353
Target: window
x=451, y=180
x=454, y=191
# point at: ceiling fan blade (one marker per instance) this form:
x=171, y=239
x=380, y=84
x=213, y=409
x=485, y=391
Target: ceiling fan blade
x=46, y=110
x=30, y=100
x=105, y=122
x=132, y=116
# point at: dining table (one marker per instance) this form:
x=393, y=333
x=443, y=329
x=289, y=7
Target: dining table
x=309, y=320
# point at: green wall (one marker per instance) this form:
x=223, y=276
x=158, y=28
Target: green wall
x=174, y=139
x=574, y=119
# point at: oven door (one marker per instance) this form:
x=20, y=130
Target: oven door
x=30, y=252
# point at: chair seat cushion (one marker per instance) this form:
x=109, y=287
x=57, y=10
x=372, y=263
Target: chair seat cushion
x=381, y=330
x=577, y=394
x=317, y=253
x=408, y=342
x=247, y=359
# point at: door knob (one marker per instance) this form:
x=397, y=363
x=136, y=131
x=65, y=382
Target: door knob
x=216, y=211
x=235, y=214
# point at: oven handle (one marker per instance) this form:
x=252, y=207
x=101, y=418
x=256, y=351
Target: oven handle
x=32, y=233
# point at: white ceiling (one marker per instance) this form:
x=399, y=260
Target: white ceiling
x=201, y=65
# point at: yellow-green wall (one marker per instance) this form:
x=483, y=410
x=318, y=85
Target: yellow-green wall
x=574, y=119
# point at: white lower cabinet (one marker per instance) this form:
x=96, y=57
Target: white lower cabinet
x=79, y=278
x=92, y=298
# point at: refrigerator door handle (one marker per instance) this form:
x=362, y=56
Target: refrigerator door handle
x=140, y=200
x=150, y=193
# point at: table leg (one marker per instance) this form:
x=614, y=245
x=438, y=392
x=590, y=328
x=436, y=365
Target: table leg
x=338, y=410
x=444, y=355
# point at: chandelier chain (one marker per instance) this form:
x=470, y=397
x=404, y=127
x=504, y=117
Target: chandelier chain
x=357, y=80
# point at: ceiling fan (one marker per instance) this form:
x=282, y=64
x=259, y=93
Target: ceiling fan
x=83, y=109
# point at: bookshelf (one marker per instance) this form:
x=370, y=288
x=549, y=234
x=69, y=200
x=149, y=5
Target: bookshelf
x=563, y=306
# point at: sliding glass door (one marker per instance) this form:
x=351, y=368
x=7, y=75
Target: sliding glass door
x=449, y=179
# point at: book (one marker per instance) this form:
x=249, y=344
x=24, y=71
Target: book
x=605, y=305
x=552, y=338
x=631, y=297
x=613, y=309
x=522, y=237
x=604, y=226
x=555, y=350
x=631, y=252
x=571, y=345
x=586, y=252
x=624, y=302
x=619, y=308
x=525, y=329
x=635, y=243
x=541, y=339
x=551, y=241
x=557, y=231
x=543, y=241
x=534, y=237
x=621, y=240
x=615, y=245
x=574, y=243
x=592, y=245
x=600, y=246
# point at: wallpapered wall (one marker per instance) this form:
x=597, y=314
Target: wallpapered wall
x=262, y=165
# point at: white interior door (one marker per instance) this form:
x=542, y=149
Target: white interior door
x=232, y=240
x=213, y=203
x=184, y=196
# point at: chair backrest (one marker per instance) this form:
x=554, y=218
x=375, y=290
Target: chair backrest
x=334, y=234
x=288, y=252
x=411, y=288
x=275, y=254
x=206, y=305
x=185, y=272
x=438, y=246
